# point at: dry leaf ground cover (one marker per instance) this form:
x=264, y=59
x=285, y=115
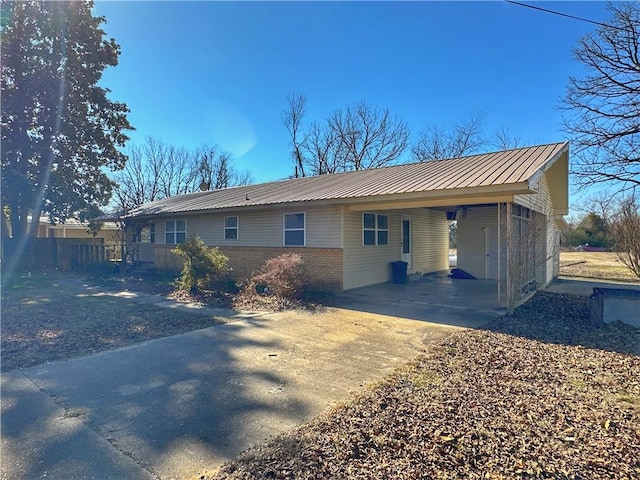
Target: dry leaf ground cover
x=50, y=316
x=604, y=265
x=524, y=398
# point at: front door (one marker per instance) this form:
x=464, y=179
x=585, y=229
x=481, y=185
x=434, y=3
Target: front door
x=405, y=240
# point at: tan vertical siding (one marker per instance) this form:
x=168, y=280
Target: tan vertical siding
x=261, y=227
x=553, y=232
x=324, y=227
x=471, y=239
x=543, y=203
x=553, y=250
x=430, y=240
x=366, y=265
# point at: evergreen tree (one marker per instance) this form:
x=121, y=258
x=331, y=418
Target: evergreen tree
x=60, y=131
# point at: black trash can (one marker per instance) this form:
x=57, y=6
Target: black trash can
x=399, y=271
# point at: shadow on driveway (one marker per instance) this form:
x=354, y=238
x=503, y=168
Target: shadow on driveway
x=178, y=407
x=145, y=410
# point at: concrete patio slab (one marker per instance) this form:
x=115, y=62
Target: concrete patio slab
x=434, y=298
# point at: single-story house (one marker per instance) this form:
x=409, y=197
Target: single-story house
x=349, y=227
x=71, y=228
x=74, y=228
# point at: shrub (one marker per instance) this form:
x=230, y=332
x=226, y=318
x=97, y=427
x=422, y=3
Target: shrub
x=278, y=284
x=282, y=276
x=202, y=265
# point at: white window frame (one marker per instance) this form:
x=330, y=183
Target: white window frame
x=236, y=228
x=152, y=232
x=303, y=229
x=175, y=231
x=376, y=229
x=380, y=229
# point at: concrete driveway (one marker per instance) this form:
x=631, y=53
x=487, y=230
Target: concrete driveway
x=585, y=286
x=178, y=407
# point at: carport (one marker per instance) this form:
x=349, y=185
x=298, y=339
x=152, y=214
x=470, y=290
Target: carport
x=435, y=298
x=509, y=210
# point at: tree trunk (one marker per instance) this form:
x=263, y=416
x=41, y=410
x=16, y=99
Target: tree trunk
x=35, y=221
x=18, y=222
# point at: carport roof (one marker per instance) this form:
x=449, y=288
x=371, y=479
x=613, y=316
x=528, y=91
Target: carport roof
x=514, y=168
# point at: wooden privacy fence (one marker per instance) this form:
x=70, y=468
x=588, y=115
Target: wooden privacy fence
x=62, y=253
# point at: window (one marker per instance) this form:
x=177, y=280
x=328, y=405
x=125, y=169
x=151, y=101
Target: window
x=375, y=229
x=175, y=231
x=368, y=229
x=137, y=233
x=519, y=211
x=383, y=230
x=294, y=234
x=230, y=228
x=144, y=232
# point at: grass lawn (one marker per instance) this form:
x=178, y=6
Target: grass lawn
x=605, y=265
x=53, y=316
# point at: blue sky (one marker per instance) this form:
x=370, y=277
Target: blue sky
x=219, y=72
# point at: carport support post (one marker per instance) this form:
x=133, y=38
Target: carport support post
x=499, y=253
x=509, y=248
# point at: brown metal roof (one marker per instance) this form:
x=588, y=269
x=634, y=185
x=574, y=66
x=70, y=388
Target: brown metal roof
x=503, y=168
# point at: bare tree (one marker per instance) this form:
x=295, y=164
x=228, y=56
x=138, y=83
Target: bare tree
x=602, y=110
x=157, y=170
x=625, y=227
x=608, y=221
x=179, y=174
x=154, y=170
x=504, y=140
x=523, y=232
x=136, y=183
x=368, y=137
x=216, y=171
x=437, y=143
x=354, y=138
x=322, y=151
x=292, y=121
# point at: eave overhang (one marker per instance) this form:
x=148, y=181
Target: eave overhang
x=436, y=198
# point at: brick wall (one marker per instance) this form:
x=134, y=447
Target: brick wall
x=164, y=259
x=323, y=266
